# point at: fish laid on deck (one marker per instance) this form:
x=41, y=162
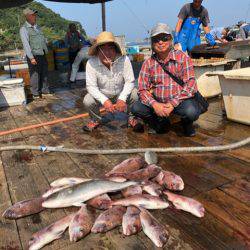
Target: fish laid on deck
x=153, y=229
x=127, y=166
x=109, y=219
x=187, y=204
x=130, y=211
x=146, y=201
x=170, y=180
x=81, y=224
x=77, y=194
x=102, y=202
x=131, y=223
x=50, y=233
x=24, y=208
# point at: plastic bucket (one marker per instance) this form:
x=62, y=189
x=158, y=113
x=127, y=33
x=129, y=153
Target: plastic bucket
x=50, y=59
x=61, y=58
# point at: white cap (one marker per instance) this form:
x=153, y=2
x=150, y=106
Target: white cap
x=28, y=11
x=160, y=28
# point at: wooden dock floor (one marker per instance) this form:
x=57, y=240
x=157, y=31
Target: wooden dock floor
x=219, y=180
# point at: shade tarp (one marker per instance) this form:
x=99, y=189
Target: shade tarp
x=14, y=3
x=79, y=1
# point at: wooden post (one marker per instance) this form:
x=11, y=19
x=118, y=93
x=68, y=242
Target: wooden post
x=103, y=17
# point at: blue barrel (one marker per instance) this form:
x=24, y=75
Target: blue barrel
x=62, y=58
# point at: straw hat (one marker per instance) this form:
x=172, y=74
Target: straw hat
x=103, y=38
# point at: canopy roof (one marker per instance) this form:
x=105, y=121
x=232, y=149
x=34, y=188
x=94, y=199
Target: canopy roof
x=80, y=1
x=14, y=3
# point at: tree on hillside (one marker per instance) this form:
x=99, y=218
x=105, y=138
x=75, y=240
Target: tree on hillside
x=52, y=24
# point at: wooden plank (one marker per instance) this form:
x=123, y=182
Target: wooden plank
x=221, y=164
x=8, y=229
x=58, y=168
x=228, y=210
x=94, y=165
x=239, y=189
x=32, y=184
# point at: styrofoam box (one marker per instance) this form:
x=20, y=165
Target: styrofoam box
x=12, y=92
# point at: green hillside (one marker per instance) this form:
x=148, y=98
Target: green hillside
x=52, y=24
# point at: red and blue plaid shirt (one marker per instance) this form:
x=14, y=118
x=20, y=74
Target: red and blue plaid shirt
x=155, y=85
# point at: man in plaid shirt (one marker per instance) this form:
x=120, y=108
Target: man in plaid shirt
x=159, y=94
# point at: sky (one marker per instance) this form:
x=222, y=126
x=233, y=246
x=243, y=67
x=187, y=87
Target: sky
x=133, y=18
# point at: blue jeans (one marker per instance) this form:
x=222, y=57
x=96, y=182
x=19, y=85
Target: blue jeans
x=188, y=110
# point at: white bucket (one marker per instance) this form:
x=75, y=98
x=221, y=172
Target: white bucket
x=12, y=92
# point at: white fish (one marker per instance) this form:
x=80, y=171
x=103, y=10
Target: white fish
x=76, y=195
x=53, y=190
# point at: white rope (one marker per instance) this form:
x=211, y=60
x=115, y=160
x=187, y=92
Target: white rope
x=131, y=150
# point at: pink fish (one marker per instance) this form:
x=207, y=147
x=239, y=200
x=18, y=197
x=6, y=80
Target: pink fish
x=24, y=208
x=152, y=188
x=153, y=229
x=144, y=174
x=50, y=233
x=187, y=204
x=130, y=191
x=102, y=202
x=81, y=224
x=108, y=219
x=170, y=180
x=127, y=166
x=145, y=200
x=131, y=223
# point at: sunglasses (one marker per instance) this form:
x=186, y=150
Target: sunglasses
x=161, y=38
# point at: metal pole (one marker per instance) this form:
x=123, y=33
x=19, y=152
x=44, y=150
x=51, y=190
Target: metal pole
x=103, y=17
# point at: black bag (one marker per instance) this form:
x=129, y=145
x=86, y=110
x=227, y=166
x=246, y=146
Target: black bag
x=200, y=100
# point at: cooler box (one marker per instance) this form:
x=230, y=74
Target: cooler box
x=132, y=50
x=12, y=92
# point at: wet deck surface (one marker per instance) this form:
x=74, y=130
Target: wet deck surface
x=219, y=180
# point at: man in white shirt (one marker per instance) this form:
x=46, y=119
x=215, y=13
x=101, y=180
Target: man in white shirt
x=34, y=44
x=109, y=81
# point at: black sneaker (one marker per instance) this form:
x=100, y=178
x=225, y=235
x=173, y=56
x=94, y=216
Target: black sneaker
x=136, y=124
x=36, y=97
x=48, y=93
x=159, y=126
x=189, y=129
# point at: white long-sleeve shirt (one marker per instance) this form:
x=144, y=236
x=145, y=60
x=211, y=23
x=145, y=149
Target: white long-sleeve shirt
x=103, y=83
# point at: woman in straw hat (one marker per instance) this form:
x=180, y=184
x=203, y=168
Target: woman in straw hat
x=109, y=81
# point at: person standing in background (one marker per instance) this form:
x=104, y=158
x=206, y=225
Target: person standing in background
x=34, y=44
x=74, y=42
x=220, y=34
x=187, y=31
x=244, y=30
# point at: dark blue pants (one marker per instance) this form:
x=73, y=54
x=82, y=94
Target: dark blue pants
x=188, y=110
